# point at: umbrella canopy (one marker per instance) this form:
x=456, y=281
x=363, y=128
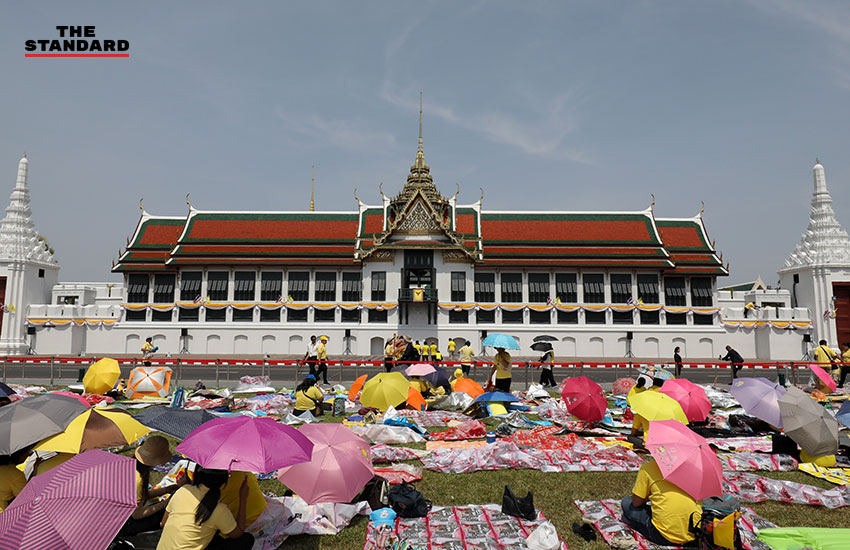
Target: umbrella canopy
x=843, y=414
x=653, y=405
x=691, y=397
x=468, y=386
x=499, y=340
x=339, y=468
x=440, y=377
x=356, y=387
x=99, y=428
x=498, y=396
x=148, y=382
x=101, y=376
x=79, y=505
x=76, y=396
x=6, y=391
x=685, y=459
x=246, y=444
x=415, y=400
x=545, y=338
x=174, y=422
x=542, y=346
x=419, y=369
x=584, y=399
x=656, y=372
x=811, y=426
x=760, y=398
x=823, y=377
x=25, y=422
x=621, y=386
x=385, y=390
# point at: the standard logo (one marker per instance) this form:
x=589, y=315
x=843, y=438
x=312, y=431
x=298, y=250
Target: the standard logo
x=77, y=41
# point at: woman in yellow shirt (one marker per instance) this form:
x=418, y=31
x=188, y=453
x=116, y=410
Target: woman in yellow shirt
x=845, y=368
x=308, y=396
x=502, y=370
x=194, y=516
x=12, y=480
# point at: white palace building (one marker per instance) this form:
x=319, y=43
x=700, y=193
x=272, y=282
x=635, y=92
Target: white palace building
x=418, y=263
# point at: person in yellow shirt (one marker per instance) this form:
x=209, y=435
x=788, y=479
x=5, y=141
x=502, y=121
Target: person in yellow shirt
x=825, y=355
x=420, y=385
x=389, y=355
x=466, y=354
x=658, y=509
x=194, y=516
x=824, y=461
x=639, y=424
x=12, y=480
x=457, y=376
x=308, y=396
x=502, y=370
x=322, y=358
x=433, y=353
x=254, y=504
x=148, y=349
x=845, y=368
x=451, y=349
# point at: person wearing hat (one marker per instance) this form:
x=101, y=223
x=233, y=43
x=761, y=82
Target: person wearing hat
x=411, y=352
x=153, y=452
x=322, y=358
x=383, y=520
x=458, y=374
x=308, y=396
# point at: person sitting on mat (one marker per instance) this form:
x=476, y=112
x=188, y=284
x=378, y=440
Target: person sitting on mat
x=308, y=396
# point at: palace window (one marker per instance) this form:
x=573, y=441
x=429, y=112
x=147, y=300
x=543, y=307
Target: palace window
x=243, y=315
x=352, y=289
x=539, y=317
x=269, y=315
x=621, y=288
x=701, y=295
x=162, y=316
x=648, y=288
x=379, y=288
x=190, y=286
x=566, y=288
x=324, y=315
x=594, y=317
x=484, y=317
x=649, y=318
x=512, y=317
x=674, y=292
x=594, y=289
x=271, y=287
x=459, y=316
x=299, y=283
x=217, y=286
x=703, y=319
x=163, y=289
x=485, y=288
x=216, y=315
x=458, y=286
x=296, y=315
x=676, y=318
x=511, y=288
x=243, y=286
x=377, y=316
x=351, y=315
x=137, y=289
x=325, y=287
x=538, y=287
x=568, y=317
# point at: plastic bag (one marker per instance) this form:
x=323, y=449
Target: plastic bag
x=536, y=391
x=545, y=537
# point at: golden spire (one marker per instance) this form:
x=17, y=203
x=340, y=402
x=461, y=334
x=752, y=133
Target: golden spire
x=312, y=190
x=420, y=150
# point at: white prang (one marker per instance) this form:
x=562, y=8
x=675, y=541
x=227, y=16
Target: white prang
x=824, y=242
x=18, y=238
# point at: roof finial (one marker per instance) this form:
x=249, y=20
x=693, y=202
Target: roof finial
x=456, y=192
x=652, y=204
x=187, y=200
x=142, y=208
x=381, y=190
x=25, y=154
x=356, y=197
x=702, y=208
x=420, y=120
x=482, y=194
x=817, y=160
x=313, y=190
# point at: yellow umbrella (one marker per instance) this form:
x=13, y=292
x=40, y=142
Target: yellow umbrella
x=101, y=376
x=99, y=428
x=385, y=390
x=652, y=405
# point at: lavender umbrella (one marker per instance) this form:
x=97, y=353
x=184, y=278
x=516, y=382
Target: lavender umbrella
x=246, y=444
x=760, y=398
x=79, y=505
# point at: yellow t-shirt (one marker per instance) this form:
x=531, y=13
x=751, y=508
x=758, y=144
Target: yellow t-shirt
x=389, y=351
x=12, y=482
x=824, y=355
x=824, y=461
x=452, y=345
x=139, y=485
x=53, y=462
x=845, y=357
x=433, y=349
x=418, y=348
x=419, y=385
x=438, y=356
x=254, y=505
x=671, y=506
x=321, y=352
x=502, y=361
x=303, y=401
x=466, y=353
x=181, y=532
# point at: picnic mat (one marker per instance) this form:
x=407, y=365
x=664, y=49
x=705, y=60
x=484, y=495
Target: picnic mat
x=432, y=445
x=759, y=444
x=472, y=527
x=754, y=488
x=747, y=461
x=385, y=453
x=605, y=516
x=472, y=429
x=397, y=473
x=432, y=419
x=839, y=476
x=287, y=516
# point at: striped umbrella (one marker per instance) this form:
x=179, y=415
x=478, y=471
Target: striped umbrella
x=148, y=382
x=79, y=505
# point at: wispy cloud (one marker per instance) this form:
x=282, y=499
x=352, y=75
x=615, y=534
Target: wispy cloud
x=353, y=134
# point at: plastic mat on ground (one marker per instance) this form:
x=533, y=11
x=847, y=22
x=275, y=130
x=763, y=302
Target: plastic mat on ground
x=433, y=445
x=758, y=444
x=605, y=516
x=472, y=429
x=473, y=527
x=287, y=516
x=754, y=488
x=757, y=462
x=385, y=453
x=381, y=433
x=396, y=473
x=544, y=438
x=432, y=419
x=839, y=476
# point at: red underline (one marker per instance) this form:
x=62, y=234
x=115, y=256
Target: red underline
x=77, y=55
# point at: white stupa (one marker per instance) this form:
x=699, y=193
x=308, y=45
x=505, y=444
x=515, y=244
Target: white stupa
x=28, y=269
x=820, y=260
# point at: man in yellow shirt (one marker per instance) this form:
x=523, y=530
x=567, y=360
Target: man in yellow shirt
x=322, y=358
x=451, y=349
x=658, y=509
x=12, y=480
x=466, y=353
x=502, y=370
x=389, y=355
x=825, y=355
x=845, y=368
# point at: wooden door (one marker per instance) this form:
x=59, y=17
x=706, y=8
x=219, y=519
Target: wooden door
x=841, y=291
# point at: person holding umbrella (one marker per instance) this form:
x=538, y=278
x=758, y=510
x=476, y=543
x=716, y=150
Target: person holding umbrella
x=546, y=360
x=194, y=516
x=502, y=370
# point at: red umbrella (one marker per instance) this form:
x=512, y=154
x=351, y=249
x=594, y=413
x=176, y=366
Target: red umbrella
x=691, y=397
x=79, y=505
x=584, y=399
x=685, y=458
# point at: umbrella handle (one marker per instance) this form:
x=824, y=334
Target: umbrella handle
x=230, y=466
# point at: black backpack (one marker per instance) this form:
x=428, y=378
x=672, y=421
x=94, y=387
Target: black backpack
x=375, y=493
x=408, y=502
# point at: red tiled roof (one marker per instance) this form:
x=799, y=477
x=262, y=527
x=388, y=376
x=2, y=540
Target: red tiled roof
x=568, y=228
x=270, y=228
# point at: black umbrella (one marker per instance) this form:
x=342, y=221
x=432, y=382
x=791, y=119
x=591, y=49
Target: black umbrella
x=545, y=338
x=176, y=422
x=29, y=421
x=437, y=378
x=6, y=391
x=541, y=346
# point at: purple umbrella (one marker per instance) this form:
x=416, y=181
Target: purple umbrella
x=760, y=398
x=246, y=444
x=78, y=505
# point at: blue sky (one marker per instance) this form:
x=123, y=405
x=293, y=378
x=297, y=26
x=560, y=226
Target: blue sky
x=546, y=105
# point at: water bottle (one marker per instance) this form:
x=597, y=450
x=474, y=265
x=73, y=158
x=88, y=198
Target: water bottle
x=491, y=437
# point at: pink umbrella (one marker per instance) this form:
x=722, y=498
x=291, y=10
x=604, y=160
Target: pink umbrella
x=246, y=444
x=691, y=397
x=685, y=459
x=420, y=369
x=584, y=399
x=824, y=377
x=76, y=396
x=78, y=505
x=339, y=469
